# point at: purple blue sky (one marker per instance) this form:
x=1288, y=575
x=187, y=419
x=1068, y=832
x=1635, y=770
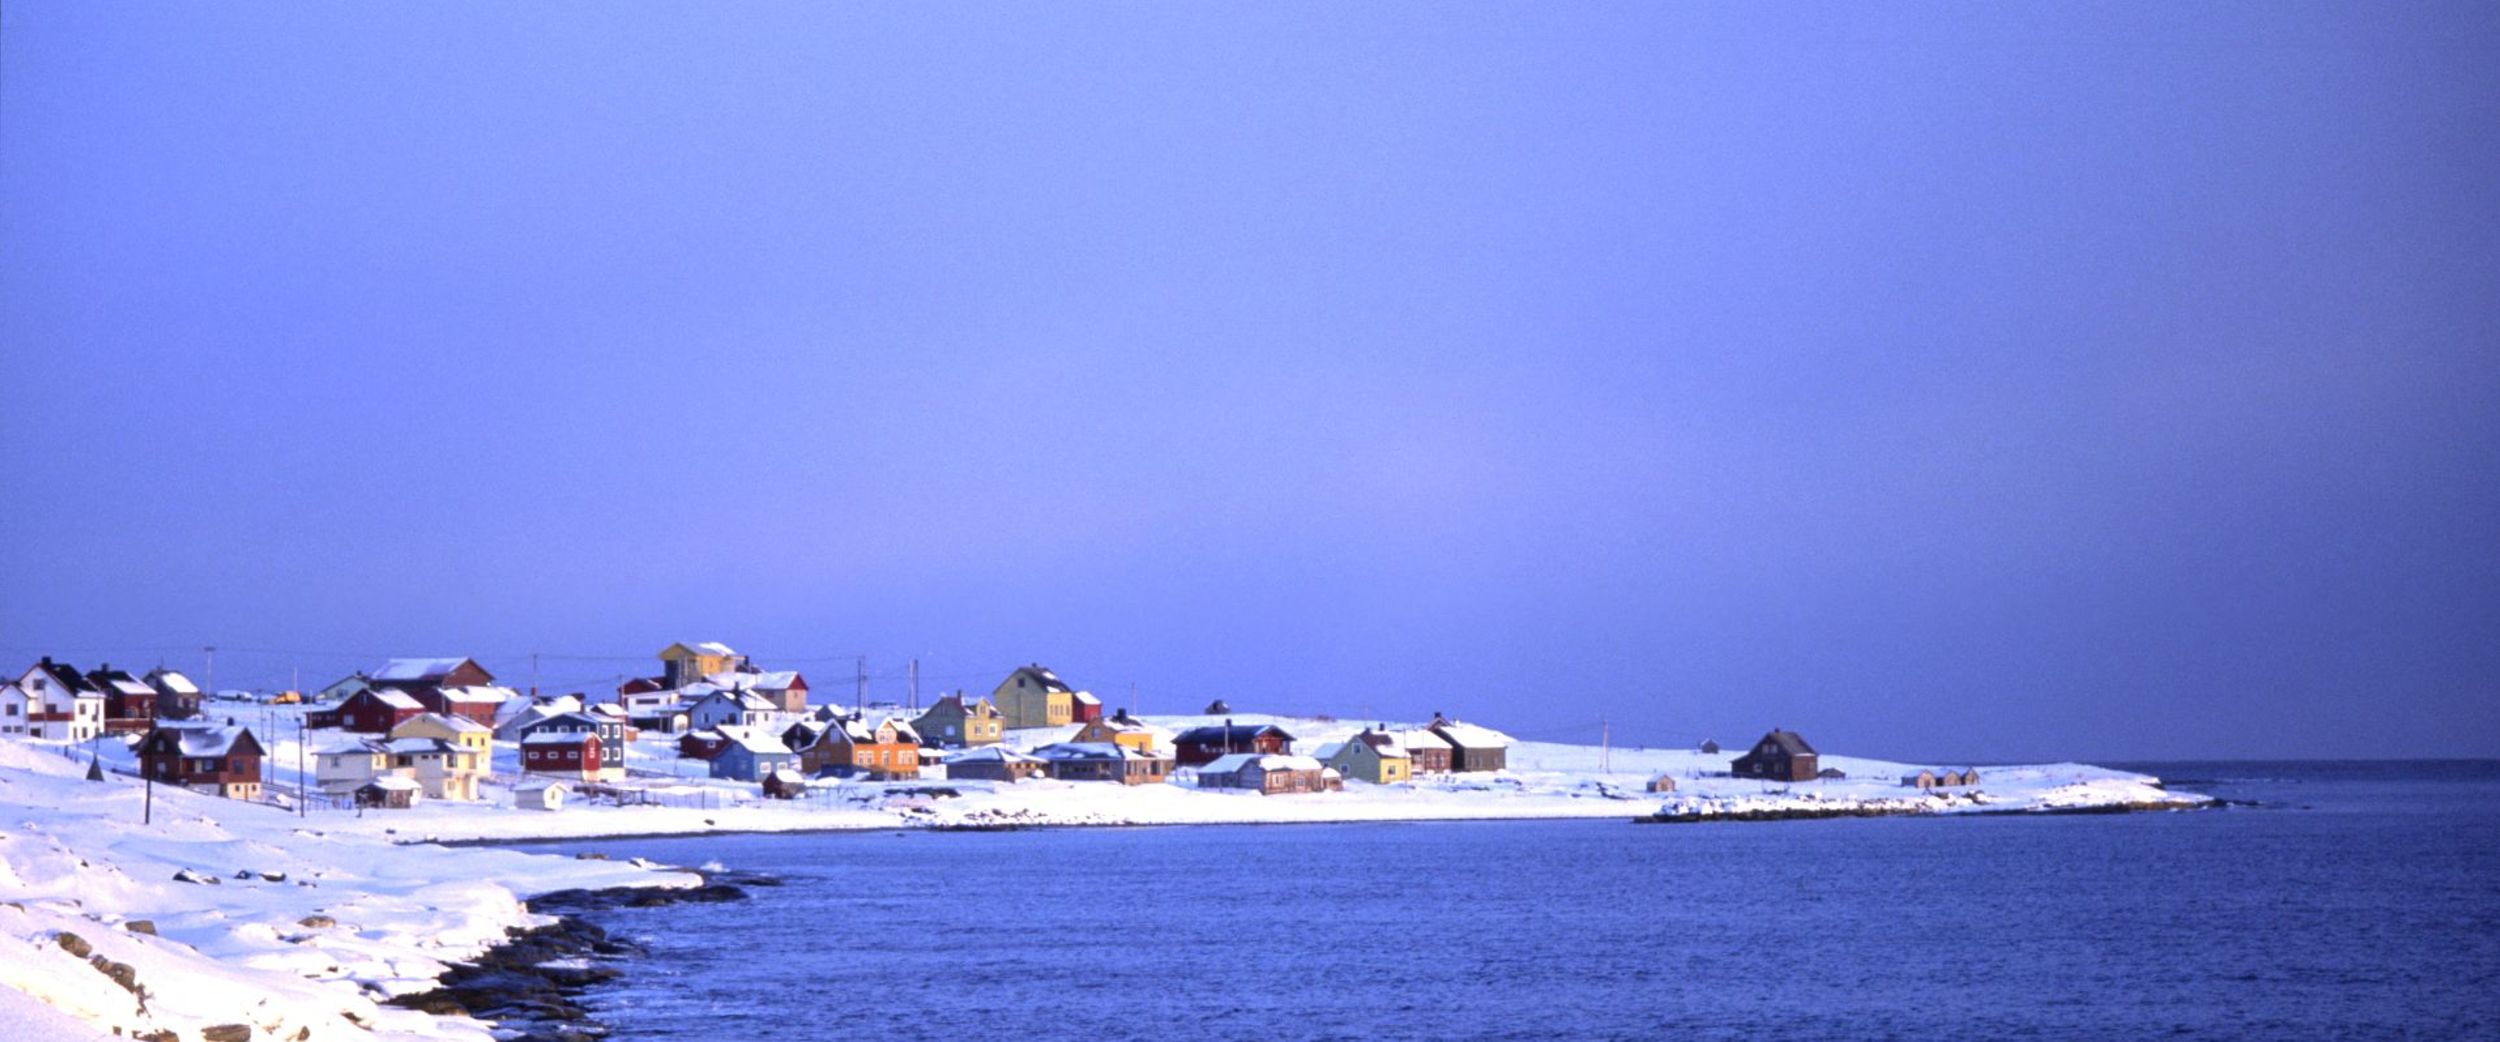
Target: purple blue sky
x=1983, y=382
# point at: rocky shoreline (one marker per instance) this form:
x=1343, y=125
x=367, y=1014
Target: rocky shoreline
x=1814, y=813
x=531, y=980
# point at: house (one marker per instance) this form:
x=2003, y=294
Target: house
x=177, y=698
x=1970, y=776
x=541, y=794
x=1219, y=707
x=1709, y=747
x=129, y=703
x=1924, y=779
x=1119, y=729
x=1033, y=696
x=994, y=763
x=1373, y=756
x=446, y=769
x=53, y=701
x=785, y=784
x=752, y=756
x=1102, y=761
x=1431, y=753
x=804, y=733
x=683, y=664
x=1662, y=783
x=390, y=791
x=1472, y=748
x=1207, y=744
x=608, y=730
x=1779, y=756
x=732, y=708
x=704, y=744
x=953, y=723
x=1269, y=773
x=417, y=674
x=573, y=755
x=851, y=745
x=339, y=690
x=344, y=767
x=1083, y=707
x=479, y=703
x=374, y=710
x=205, y=758
x=642, y=686
x=785, y=689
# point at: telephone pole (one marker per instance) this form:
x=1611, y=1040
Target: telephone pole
x=211, y=649
x=861, y=702
x=915, y=687
x=1605, y=747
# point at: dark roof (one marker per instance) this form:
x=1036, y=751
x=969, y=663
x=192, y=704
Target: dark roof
x=66, y=675
x=1040, y=673
x=1233, y=733
x=1789, y=742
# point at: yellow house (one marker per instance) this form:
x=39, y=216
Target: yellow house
x=1118, y=729
x=1035, y=697
x=460, y=731
x=1373, y=756
x=951, y=721
x=683, y=664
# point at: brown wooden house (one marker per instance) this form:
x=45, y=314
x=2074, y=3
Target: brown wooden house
x=207, y=758
x=129, y=703
x=1200, y=745
x=371, y=711
x=1472, y=748
x=417, y=674
x=1779, y=756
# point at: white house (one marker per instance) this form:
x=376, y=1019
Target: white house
x=52, y=700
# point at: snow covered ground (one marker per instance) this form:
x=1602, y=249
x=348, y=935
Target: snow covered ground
x=302, y=933
x=315, y=919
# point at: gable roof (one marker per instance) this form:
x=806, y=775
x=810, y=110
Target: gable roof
x=170, y=680
x=1231, y=763
x=1470, y=736
x=758, y=743
x=1789, y=742
x=1234, y=733
x=401, y=670
x=1040, y=674
x=457, y=724
x=708, y=648
x=203, y=739
x=987, y=753
x=65, y=675
x=560, y=738
x=479, y=695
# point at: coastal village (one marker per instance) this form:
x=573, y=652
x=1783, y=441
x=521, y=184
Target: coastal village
x=712, y=727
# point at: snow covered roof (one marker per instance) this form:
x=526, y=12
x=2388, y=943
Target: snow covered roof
x=419, y=745
x=1387, y=751
x=393, y=699
x=1470, y=736
x=1048, y=680
x=1068, y=751
x=779, y=680
x=989, y=753
x=359, y=747
x=480, y=695
x=711, y=647
x=759, y=744
x=1231, y=734
x=392, y=781
x=173, y=681
x=787, y=776
x=560, y=738
x=204, y=739
x=1414, y=740
x=1263, y=761
x=1086, y=698
x=417, y=668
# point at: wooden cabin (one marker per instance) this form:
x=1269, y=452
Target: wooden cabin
x=219, y=760
x=1779, y=756
x=994, y=763
x=1270, y=774
x=1200, y=745
x=955, y=723
x=1372, y=756
x=177, y=698
x=479, y=703
x=1472, y=748
x=1103, y=761
x=753, y=757
x=129, y=703
x=1924, y=779
x=1662, y=783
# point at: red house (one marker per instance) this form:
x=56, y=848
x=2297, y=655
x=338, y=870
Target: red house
x=129, y=703
x=468, y=703
x=572, y=754
x=417, y=674
x=371, y=711
x=206, y=758
x=701, y=745
x=1200, y=745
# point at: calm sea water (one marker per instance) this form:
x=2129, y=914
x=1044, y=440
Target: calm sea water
x=2357, y=901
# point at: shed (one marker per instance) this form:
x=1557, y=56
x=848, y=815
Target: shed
x=541, y=795
x=1924, y=779
x=1662, y=783
x=391, y=791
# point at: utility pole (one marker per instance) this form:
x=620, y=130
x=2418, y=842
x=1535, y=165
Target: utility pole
x=1132, y=698
x=915, y=687
x=1605, y=747
x=302, y=790
x=211, y=649
x=862, y=702
x=533, y=672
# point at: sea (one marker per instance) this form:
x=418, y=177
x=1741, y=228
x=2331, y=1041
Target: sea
x=2325, y=901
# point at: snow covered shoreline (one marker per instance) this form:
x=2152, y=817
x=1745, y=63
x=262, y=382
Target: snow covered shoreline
x=314, y=924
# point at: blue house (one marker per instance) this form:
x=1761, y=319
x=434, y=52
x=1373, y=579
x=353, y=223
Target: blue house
x=750, y=756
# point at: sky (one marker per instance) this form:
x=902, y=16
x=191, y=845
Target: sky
x=1999, y=382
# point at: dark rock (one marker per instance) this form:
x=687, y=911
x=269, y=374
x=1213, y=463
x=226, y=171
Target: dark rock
x=316, y=922
x=121, y=972
x=145, y=926
x=74, y=944
x=227, y=1033
x=188, y=876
